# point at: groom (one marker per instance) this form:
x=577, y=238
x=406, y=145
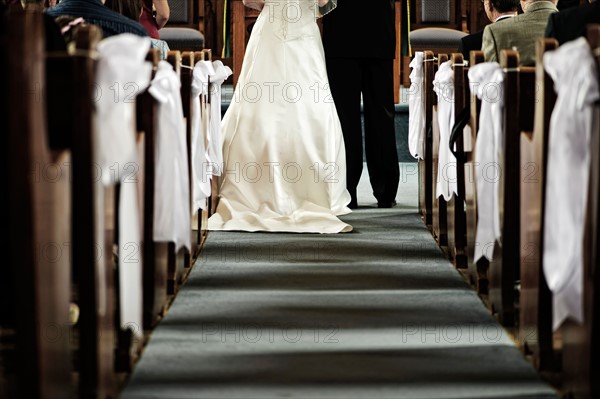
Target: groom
x=360, y=41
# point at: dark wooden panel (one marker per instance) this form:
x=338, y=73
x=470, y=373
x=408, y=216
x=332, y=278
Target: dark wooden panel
x=535, y=316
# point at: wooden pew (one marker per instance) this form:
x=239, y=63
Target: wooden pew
x=238, y=11
x=535, y=299
x=187, y=75
x=177, y=262
x=439, y=211
x=36, y=274
x=72, y=81
x=202, y=227
x=425, y=165
x=519, y=100
x=155, y=254
x=477, y=271
x=581, y=343
x=456, y=205
x=215, y=183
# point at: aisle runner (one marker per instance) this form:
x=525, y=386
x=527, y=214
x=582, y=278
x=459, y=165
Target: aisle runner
x=377, y=313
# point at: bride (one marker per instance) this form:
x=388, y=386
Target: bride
x=284, y=159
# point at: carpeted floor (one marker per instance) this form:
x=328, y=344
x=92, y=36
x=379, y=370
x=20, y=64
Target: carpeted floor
x=376, y=313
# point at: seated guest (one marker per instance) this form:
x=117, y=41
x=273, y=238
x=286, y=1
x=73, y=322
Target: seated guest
x=151, y=22
x=54, y=40
x=570, y=24
x=131, y=9
x=496, y=10
x=95, y=12
x=519, y=33
x=161, y=45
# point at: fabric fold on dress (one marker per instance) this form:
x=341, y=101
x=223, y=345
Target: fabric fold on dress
x=172, y=213
x=573, y=69
x=487, y=81
x=283, y=150
x=123, y=73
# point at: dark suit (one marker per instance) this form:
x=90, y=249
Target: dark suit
x=470, y=43
x=360, y=43
x=570, y=24
x=520, y=32
x=474, y=41
x=564, y=4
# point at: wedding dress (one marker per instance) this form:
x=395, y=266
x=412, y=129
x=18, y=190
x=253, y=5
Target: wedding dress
x=284, y=158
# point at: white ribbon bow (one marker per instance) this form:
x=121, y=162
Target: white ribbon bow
x=122, y=74
x=172, y=215
x=416, y=109
x=201, y=189
x=215, y=150
x=573, y=69
x=487, y=80
x=443, y=85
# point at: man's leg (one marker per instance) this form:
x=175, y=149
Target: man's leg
x=380, y=135
x=345, y=83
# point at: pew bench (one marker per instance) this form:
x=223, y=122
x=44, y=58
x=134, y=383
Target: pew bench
x=439, y=211
x=36, y=274
x=456, y=221
x=535, y=300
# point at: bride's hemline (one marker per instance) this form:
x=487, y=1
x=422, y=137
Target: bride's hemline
x=348, y=229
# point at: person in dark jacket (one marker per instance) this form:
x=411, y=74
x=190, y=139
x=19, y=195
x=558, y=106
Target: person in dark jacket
x=359, y=39
x=570, y=24
x=95, y=12
x=496, y=10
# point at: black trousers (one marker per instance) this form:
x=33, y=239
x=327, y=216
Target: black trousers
x=374, y=78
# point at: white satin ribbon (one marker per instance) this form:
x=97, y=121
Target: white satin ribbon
x=201, y=189
x=122, y=74
x=416, y=109
x=487, y=81
x=443, y=85
x=172, y=217
x=215, y=150
x=573, y=69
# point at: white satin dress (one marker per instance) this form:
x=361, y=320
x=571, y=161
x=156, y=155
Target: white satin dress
x=284, y=157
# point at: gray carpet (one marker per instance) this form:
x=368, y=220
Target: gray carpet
x=376, y=313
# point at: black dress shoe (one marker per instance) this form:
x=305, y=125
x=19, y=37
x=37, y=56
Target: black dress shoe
x=386, y=204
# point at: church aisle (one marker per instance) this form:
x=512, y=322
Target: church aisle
x=376, y=313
